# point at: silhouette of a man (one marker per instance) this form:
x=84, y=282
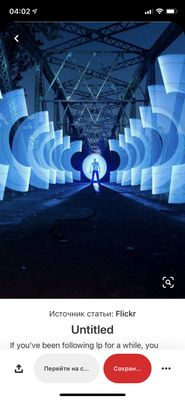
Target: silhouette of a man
x=95, y=170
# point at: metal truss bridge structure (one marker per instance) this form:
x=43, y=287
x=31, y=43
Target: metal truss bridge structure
x=88, y=75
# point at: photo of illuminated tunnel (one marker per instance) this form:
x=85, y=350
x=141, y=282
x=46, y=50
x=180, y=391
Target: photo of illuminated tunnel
x=92, y=160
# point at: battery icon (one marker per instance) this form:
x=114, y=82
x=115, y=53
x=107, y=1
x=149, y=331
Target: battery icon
x=171, y=11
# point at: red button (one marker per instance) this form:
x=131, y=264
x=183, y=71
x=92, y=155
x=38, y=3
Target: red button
x=127, y=368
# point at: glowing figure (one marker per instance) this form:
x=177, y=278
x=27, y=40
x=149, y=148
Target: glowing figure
x=95, y=170
x=86, y=166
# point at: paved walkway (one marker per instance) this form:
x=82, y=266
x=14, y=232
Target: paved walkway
x=82, y=243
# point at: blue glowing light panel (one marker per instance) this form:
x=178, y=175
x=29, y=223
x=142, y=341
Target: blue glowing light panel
x=12, y=108
x=173, y=73
x=114, y=146
x=125, y=178
x=26, y=147
x=60, y=178
x=66, y=156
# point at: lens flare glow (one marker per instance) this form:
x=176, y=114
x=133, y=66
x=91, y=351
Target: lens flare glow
x=96, y=187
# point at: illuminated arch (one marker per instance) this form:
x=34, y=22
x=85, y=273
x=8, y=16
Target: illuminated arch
x=3, y=178
x=3, y=169
x=172, y=67
x=137, y=145
x=12, y=108
x=114, y=146
x=57, y=157
x=66, y=156
x=138, y=131
x=60, y=176
x=158, y=147
x=172, y=106
x=44, y=150
x=125, y=178
x=86, y=165
x=26, y=146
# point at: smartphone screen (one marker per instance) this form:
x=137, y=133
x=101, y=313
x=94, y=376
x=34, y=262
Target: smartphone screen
x=92, y=203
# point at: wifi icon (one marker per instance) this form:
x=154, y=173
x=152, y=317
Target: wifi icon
x=159, y=10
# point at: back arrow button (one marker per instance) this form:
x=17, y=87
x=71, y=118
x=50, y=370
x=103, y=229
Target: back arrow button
x=16, y=38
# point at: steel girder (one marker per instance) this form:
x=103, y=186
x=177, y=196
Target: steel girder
x=119, y=27
x=110, y=29
x=102, y=75
x=40, y=104
x=86, y=35
x=147, y=57
x=105, y=95
x=90, y=73
x=39, y=57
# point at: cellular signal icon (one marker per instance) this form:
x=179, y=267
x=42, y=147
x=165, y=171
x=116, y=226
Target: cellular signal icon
x=149, y=12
